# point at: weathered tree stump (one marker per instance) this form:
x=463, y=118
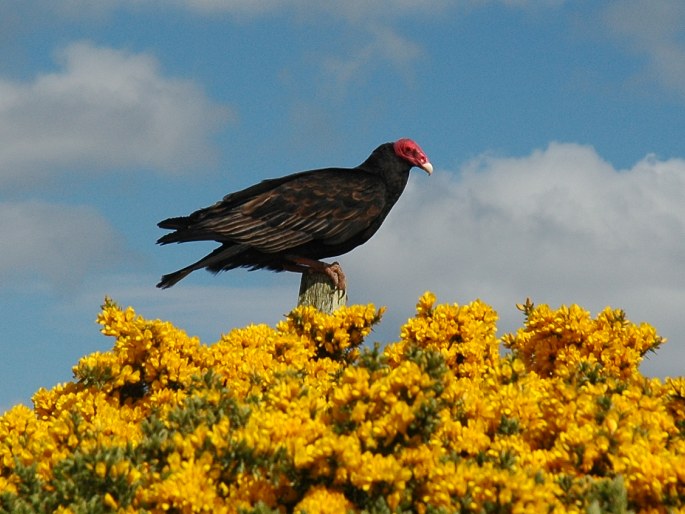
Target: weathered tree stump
x=317, y=290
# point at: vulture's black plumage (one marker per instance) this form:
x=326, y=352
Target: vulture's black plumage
x=290, y=223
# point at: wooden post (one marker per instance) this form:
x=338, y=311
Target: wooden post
x=317, y=290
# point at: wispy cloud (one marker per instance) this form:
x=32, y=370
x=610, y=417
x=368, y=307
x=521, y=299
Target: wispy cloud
x=104, y=108
x=54, y=244
x=352, y=9
x=654, y=30
x=381, y=47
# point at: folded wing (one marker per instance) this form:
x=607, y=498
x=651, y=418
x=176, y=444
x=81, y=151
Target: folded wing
x=330, y=206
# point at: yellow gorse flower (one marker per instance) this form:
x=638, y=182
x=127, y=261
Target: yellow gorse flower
x=303, y=418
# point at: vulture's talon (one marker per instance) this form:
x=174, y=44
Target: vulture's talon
x=335, y=273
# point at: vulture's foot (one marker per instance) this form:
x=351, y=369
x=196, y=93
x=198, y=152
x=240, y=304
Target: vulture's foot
x=333, y=271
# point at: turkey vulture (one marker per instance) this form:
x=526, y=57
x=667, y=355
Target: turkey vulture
x=289, y=223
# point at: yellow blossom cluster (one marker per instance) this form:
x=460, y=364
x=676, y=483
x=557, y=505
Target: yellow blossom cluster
x=557, y=342
x=302, y=418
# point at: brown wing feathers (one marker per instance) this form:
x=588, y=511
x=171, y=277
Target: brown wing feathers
x=290, y=214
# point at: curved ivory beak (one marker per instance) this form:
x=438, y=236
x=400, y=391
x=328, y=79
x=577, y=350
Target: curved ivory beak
x=427, y=167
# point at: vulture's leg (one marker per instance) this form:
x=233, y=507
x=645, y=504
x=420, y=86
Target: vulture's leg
x=333, y=271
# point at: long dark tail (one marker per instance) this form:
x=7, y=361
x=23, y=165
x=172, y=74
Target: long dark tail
x=171, y=278
x=221, y=258
x=181, y=233
x=174, y=223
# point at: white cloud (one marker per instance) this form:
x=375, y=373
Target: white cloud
x=560, y=226
x=57, y=244
x=103, y=108
x=653, y=29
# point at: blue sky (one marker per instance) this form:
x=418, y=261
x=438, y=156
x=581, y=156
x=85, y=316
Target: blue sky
x=555, y=129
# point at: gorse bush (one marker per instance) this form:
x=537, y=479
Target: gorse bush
x=302, y=418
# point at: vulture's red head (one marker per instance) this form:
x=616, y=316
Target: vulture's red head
x=410, y=151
